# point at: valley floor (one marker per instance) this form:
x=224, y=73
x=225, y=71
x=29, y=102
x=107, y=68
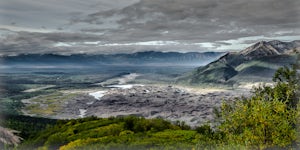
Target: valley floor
x=194, y=106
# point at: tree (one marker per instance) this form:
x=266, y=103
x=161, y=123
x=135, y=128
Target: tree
x=7, y=137
x=268, y=118
x=285, y=89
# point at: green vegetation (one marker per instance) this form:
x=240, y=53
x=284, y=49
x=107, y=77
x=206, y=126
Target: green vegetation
x=213, y=73
x=48, y=104
x=256, y=63
x=26, y=125
x=113, y=133
x=267, y=119
x=257, y=123
x=12, y=104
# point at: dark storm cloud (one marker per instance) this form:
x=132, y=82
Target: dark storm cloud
x=104, y=26
x=194, y=19
x=34, y=42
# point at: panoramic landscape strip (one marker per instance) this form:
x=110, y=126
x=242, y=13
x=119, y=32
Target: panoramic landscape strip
x=149, y=74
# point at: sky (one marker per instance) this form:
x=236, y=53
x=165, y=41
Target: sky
x=127, y=26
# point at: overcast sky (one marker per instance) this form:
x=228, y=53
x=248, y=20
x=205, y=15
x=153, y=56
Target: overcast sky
x=114, y=26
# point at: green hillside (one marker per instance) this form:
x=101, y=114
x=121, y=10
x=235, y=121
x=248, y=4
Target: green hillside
x=114, y=133
x=229, y=69
x=217, y=72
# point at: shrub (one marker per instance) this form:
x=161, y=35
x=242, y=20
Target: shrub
x=268, y=118
x=259, y=123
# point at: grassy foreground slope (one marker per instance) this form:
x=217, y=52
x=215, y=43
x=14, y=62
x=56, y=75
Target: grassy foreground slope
x=114, y=133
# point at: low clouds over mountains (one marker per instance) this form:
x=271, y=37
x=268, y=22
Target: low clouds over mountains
x=132, y=25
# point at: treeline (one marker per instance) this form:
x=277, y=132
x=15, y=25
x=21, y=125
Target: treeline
x=27, y=126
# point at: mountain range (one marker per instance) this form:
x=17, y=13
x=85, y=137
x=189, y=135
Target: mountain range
x=139, y=58
x=255, y=63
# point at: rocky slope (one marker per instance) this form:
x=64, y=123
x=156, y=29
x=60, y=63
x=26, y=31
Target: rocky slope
x=255, y=63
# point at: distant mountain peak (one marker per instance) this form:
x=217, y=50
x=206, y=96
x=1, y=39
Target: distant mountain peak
x=276, y=42
x=271, y=48
x=259, y=49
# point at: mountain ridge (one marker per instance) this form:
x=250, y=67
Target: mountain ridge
x=139, y=58
x=263, y=48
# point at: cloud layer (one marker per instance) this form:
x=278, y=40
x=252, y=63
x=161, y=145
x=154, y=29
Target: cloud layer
x=103, y=26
